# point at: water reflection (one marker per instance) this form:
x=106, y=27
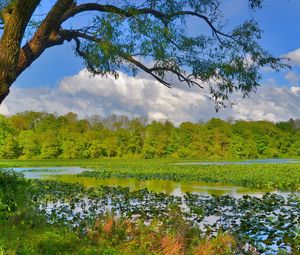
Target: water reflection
x=69, y=174
x=165, y=186
x=40, y=172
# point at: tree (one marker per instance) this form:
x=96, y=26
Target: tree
x=10, y=149
x=125, y=35
x=33, y=135
x=50, y=145
x=30, y=143
x=5, y=130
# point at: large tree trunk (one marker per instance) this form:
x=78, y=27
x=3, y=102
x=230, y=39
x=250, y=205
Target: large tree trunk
x=14, y=59
x=16, y=17
x=6, y=74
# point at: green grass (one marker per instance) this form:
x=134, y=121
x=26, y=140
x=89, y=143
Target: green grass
x=261, y=176
x=42, y=239
x=111, y=236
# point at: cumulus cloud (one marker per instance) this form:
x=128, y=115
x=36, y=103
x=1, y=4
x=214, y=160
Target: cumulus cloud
x=294, y=57
x=4, y=109
x=141, y=96
x=270, y=103
x=295, y=90
x=292, y=77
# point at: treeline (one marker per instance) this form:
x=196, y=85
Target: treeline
x=39, y=135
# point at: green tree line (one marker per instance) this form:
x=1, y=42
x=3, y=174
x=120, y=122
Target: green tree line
x=40, y=135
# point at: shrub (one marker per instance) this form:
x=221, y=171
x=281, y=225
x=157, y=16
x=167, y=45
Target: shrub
x=14, y=194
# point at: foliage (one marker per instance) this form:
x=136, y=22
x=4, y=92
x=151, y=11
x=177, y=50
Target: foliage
x=227, y=62
x=13, y=194
x=152, y=36
x=34, y=135
x=40, y=237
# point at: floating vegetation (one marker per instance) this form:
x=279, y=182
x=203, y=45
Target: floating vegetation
x=269, y=224
x=285, y=177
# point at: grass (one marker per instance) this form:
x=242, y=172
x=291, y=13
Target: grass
x=108, y=236
x=53, y=240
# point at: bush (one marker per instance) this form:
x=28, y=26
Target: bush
x=14, y=194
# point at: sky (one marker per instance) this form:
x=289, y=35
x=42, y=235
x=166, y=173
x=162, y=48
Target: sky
x=59, y=83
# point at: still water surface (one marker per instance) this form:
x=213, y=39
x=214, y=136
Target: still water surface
x=165, y=186
x=42, y=172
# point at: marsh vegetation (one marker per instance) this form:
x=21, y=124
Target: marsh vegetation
x=65, y=215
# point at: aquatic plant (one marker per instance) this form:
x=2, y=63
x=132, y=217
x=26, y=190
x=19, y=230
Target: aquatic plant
x=267, y=223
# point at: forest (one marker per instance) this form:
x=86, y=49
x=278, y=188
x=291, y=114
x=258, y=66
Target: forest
x=40, y=135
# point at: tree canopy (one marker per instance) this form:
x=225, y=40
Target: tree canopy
x=39, y=135
x=165, y=39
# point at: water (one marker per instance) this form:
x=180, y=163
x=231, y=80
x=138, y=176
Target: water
x=41, y=172
x=164, y=186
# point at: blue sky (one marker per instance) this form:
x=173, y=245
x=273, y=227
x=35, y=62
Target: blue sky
x=47, y=78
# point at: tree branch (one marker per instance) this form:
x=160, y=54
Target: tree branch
x=132, y=12
x=46, y=35
x=75, y=35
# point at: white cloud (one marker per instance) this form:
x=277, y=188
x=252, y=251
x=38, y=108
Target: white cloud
x=292, y=77
x=294, y=57
x=4, y=109
x=295, y=90
x=271, y=102
x=141, y=96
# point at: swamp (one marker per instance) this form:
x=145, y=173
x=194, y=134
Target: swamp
x=113, y=206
